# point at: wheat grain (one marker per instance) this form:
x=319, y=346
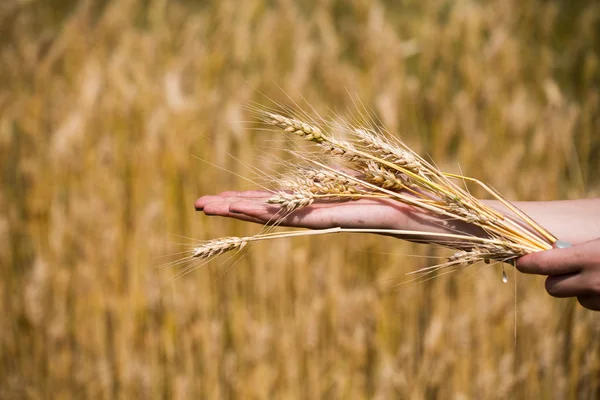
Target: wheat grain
x=378, y=146
x=382, y=176
x=292, y=201
x=320, y=182
x=219, y=246
x=307, y=131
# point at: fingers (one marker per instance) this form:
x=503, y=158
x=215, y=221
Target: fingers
x=222, y=210
x=591, y=302
x=568, y=285
x=572, y=272
x=552, y=262
x=356, y=214
x=219, y=205
x=561, y=261
x=311, y=217
x=258, y=210
x=229, y=197
x=252, y=206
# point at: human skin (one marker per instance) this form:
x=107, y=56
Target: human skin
x=571, y=272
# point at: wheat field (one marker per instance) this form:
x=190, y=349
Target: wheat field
x=116, y=115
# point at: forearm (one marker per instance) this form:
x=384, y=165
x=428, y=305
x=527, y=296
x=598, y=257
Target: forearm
x=574, y=221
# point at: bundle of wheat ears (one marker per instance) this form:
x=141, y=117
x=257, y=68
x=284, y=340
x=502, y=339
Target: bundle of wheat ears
x=370, y=163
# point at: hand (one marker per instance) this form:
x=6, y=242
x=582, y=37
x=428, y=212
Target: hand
x=572, y=272
x=251, y=206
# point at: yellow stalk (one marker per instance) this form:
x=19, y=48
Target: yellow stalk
x=551, y=238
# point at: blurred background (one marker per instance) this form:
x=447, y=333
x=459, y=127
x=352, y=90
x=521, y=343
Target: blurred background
x=105, y=108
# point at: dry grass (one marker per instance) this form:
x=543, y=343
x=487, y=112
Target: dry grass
x=103, y=104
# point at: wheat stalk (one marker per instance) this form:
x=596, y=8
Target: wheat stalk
x=216, y=247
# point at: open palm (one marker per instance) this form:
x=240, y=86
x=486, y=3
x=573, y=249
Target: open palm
x=251, y=206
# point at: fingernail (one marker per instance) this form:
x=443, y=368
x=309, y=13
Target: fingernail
x=561, y=244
